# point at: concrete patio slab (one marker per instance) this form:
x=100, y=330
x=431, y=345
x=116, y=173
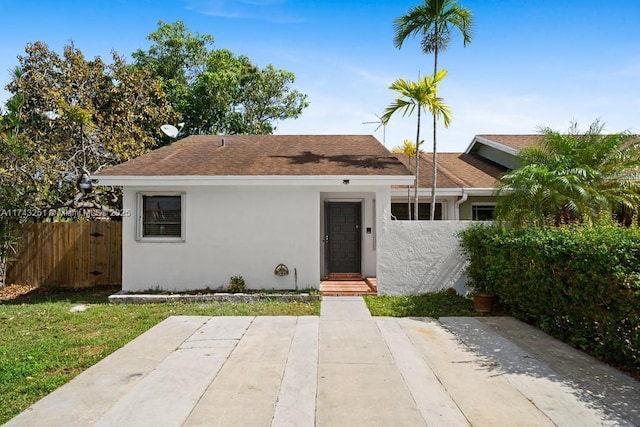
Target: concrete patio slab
x=86, y=398
x=167, y=395
x=484, y=399
x=297, y=399
x=617, y=391
x=342, y=368
x=364, y=395
x=568, y=385
x=355, y=341
x=245, y=391
x=344, y=308
x=431, y=397
x=358, y=381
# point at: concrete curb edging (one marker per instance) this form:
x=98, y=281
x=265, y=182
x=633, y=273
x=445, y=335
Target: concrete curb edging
x=218, y=297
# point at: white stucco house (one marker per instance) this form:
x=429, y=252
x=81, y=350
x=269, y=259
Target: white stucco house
x=425, y=256
x=283, y=211
x=466, y=181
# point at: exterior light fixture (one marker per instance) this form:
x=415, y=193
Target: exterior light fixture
x=84, y=183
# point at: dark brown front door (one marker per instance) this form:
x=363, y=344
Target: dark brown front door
x=342, y=238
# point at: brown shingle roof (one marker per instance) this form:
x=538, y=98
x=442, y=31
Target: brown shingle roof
x=246, y=155
x=520, y=141
x=457, y=170
x=515, y=141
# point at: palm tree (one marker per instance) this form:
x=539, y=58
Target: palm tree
x=408, y=148
x=572, y=177
x=435, y=21
x=417, y=96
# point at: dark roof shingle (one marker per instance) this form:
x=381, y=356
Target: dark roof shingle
x=457, y=170
x=254, y=155
x=515, y=141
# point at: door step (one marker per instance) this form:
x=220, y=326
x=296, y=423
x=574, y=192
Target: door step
x=346, y=287
x=344, y=276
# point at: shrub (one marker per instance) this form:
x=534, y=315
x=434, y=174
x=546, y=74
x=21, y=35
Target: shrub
x=236, y=284
x=580, y=284
x=486, y=266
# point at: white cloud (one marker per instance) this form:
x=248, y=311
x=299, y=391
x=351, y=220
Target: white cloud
x=265, y=10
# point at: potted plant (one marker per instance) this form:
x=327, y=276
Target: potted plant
x=481, y=270
x=483, y=303
x=482, y=285
x=481, y=290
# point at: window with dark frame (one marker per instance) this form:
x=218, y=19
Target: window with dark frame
x=162, y=216
x=400, y=212
x=482, y=212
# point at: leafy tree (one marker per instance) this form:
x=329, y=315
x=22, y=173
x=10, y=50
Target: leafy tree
x=418, y=95
x=572, y=177
x=68, y=116
x=257, y=95
x=215, y=91
x=435, y=21
x=177, y=57
x=408, y=148
x=11, y=151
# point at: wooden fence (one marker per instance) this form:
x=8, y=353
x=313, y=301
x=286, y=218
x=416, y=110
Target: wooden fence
x=68, y=254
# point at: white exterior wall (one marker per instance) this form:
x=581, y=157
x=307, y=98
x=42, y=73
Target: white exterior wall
x=245, y=230
x=417, y=257
x=230, y=231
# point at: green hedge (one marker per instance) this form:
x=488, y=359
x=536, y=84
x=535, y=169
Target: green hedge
x=580, y=284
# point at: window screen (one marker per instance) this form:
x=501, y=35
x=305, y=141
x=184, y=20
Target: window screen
x=400, y=212
x=162, y=216
x=482, y=212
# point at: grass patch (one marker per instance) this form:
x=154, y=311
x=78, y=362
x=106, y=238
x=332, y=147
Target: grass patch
x=44, y=345
x=434, y=305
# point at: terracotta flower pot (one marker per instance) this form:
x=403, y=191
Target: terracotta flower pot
x=483, y=303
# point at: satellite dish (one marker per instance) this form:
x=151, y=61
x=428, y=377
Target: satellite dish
x=171, y=131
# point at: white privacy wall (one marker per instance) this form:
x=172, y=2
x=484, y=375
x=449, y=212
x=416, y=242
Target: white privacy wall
x=230, y=230
x=417, y=257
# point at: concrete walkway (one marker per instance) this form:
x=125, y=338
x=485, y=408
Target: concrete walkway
x=344, y=368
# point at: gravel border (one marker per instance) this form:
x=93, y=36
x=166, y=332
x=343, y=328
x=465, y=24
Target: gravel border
x=124, y=298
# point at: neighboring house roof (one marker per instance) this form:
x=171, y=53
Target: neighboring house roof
x=517, y=142
x=502, y=149
x=457, y=170
x=262, y=155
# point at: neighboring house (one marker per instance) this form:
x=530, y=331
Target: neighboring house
x=466, y=181
x=283, y=211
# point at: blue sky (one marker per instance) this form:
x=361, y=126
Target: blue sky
x=531, y=63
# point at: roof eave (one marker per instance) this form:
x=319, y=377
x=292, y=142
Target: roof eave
x=251, y=180
x=489, y=191
x=493, y=144
x=447, y=192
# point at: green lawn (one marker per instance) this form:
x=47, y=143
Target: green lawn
x=430, y=305
x=43, y=345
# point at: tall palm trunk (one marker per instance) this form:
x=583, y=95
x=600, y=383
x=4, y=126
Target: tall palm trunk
x=434, y=176
x=409, y=193
x=415, y=193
